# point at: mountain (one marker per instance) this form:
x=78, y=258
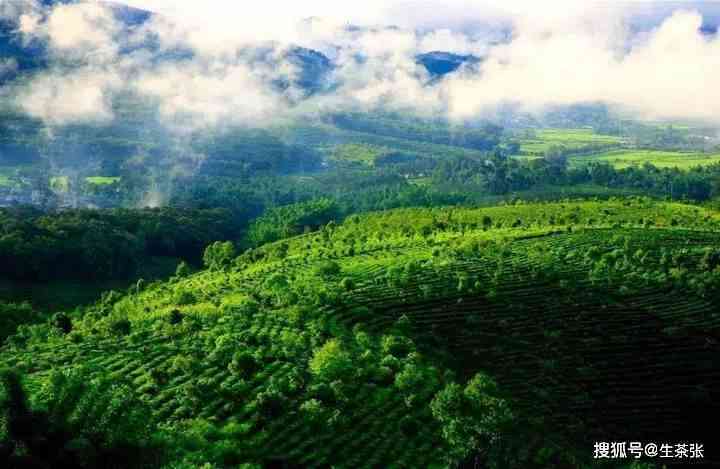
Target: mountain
x=315, y=67
x=15, y=54
x=439, y=63
x=18, y=55
x=378, y=341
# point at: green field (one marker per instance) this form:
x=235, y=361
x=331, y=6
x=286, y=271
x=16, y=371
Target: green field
x=662, y=159
x=537, y=142
x=101, y=180
x=318, y=136
x=356, y=152
x=341, y=347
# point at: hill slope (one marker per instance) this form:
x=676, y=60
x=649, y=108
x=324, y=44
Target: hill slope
x=562, y=324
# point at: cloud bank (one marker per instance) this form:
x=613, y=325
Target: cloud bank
x=199, y=73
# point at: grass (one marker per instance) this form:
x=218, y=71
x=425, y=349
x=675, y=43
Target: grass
x=574, y=139
x=575, y=135
x=662, y=159
x=357, y=152
x=318, y=136
x=102, y=180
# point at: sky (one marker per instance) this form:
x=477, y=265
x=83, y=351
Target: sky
x=405, y=13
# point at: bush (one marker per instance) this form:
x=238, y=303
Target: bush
x=270, y=403
x=243, y=364
x=175, y=317
x=62, y=322
x=14, y=316
x=347, y=284
x=327, y=269
x=219, y=255
x=473, y=418
x=121, y=326
x=184, y=297
x=409, y=426
x=396, y=346
x=331, y=361
x=313, y=411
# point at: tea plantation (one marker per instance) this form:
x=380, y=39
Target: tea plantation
x=511, y=336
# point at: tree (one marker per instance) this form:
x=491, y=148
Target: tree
x=62, y=322
x=473, y=418
x=270, y=403
x=331, y=362
x=277, y=284
x=176, y=317
x=219, y=255
x=243, y=364
x=314, y=411
x=347, y=284
x=113, y=432
x=121, y=326
x=327, y=269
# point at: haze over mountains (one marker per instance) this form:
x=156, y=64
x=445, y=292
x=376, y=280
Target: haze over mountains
x=641, y=62
x=93, y=88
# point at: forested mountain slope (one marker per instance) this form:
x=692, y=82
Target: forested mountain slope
x=513, y=336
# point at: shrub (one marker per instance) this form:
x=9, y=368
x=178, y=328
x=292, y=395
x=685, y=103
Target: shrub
x=175, y=317
x=314, y=411
x=62, y=322
x=243, y=364
x=327, y=269
x=472, y=418
x=184, y=297
x=331, y=361
x=270, y=403
x=397, y=346
x=347, y=284
x=219, y=255
x=121, y=326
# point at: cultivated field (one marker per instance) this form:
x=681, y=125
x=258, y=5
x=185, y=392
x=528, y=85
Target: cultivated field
x=329, y=348
x=661, y=159
x=537, y=142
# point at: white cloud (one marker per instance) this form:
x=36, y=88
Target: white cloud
x=561, y=53
x=669, y=75
x=59, y=98
x=210, y=94
x=83, y=25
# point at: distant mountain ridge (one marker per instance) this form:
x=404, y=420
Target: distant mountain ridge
x=315, y=68
x=440, y=63
x=17, y=56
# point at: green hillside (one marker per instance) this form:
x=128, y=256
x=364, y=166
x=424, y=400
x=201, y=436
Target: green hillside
x=516, y=334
